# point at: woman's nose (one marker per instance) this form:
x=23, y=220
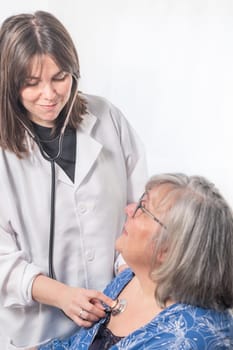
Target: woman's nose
x=130, y=209
x=48, y=91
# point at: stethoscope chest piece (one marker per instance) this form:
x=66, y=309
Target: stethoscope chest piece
x=119, y=307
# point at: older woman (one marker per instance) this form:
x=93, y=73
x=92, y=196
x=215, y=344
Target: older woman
x=178, y=242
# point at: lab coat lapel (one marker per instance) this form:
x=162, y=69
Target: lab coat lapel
x=87, y=148
x=87, y=151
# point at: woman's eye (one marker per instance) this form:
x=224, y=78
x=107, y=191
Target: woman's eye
x=60, y=77
x=30, y=82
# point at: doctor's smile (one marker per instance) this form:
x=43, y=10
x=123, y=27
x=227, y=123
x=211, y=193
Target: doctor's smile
x=46, y=92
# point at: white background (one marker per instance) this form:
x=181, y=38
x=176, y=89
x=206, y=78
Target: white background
x=168, y=65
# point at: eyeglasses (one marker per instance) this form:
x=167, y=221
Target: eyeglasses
x=140, y=205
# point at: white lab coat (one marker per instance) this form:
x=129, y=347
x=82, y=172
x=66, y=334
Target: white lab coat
x=110, y=171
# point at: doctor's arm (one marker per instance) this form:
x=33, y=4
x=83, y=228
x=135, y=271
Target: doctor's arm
x=81, y=305
x=23, y=283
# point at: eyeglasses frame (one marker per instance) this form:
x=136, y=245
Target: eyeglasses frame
x=146, y=211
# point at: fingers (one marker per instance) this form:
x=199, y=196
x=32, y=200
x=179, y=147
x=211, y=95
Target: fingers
x=83, y=319
x=80, y=314
x=102, y=299
x=86, y=306
x=95, y=302
x=84, y=316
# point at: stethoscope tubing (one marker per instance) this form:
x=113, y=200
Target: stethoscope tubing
x=52, y=221
x=51, y=272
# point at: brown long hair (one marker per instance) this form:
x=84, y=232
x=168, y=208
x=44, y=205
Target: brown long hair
x=21, y=38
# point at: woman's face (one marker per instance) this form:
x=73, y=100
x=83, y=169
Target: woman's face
x=45, y=91
x=136, y=241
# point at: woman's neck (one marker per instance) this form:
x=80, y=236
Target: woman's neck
x=141, y=306
x=144, y=289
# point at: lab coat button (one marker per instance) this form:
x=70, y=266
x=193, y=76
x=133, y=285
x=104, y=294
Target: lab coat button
x=90, y=254
x=82, y=208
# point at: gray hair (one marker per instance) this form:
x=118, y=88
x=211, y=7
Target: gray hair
x=198, y=264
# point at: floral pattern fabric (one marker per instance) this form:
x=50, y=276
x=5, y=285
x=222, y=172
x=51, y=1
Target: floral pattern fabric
x=178, y=327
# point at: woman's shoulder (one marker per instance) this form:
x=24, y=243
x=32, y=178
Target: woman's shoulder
x=183, y=327
x=197, y=316
x=94, y=99
x=101, y=107
x=195, y=328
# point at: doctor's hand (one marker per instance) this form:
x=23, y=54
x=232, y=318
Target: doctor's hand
x=83, y=306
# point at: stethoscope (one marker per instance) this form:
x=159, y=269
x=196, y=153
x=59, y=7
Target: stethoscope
x=52, y=160
x=120, y=304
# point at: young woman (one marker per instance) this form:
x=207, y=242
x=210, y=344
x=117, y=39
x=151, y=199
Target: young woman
x=69, y=163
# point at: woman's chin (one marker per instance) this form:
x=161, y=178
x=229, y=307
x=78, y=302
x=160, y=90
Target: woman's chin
x=118, y=244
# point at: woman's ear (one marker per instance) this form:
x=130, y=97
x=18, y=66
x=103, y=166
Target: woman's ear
x=162, y=255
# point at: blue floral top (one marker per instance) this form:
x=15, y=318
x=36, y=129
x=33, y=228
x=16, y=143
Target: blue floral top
x=178, y=327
